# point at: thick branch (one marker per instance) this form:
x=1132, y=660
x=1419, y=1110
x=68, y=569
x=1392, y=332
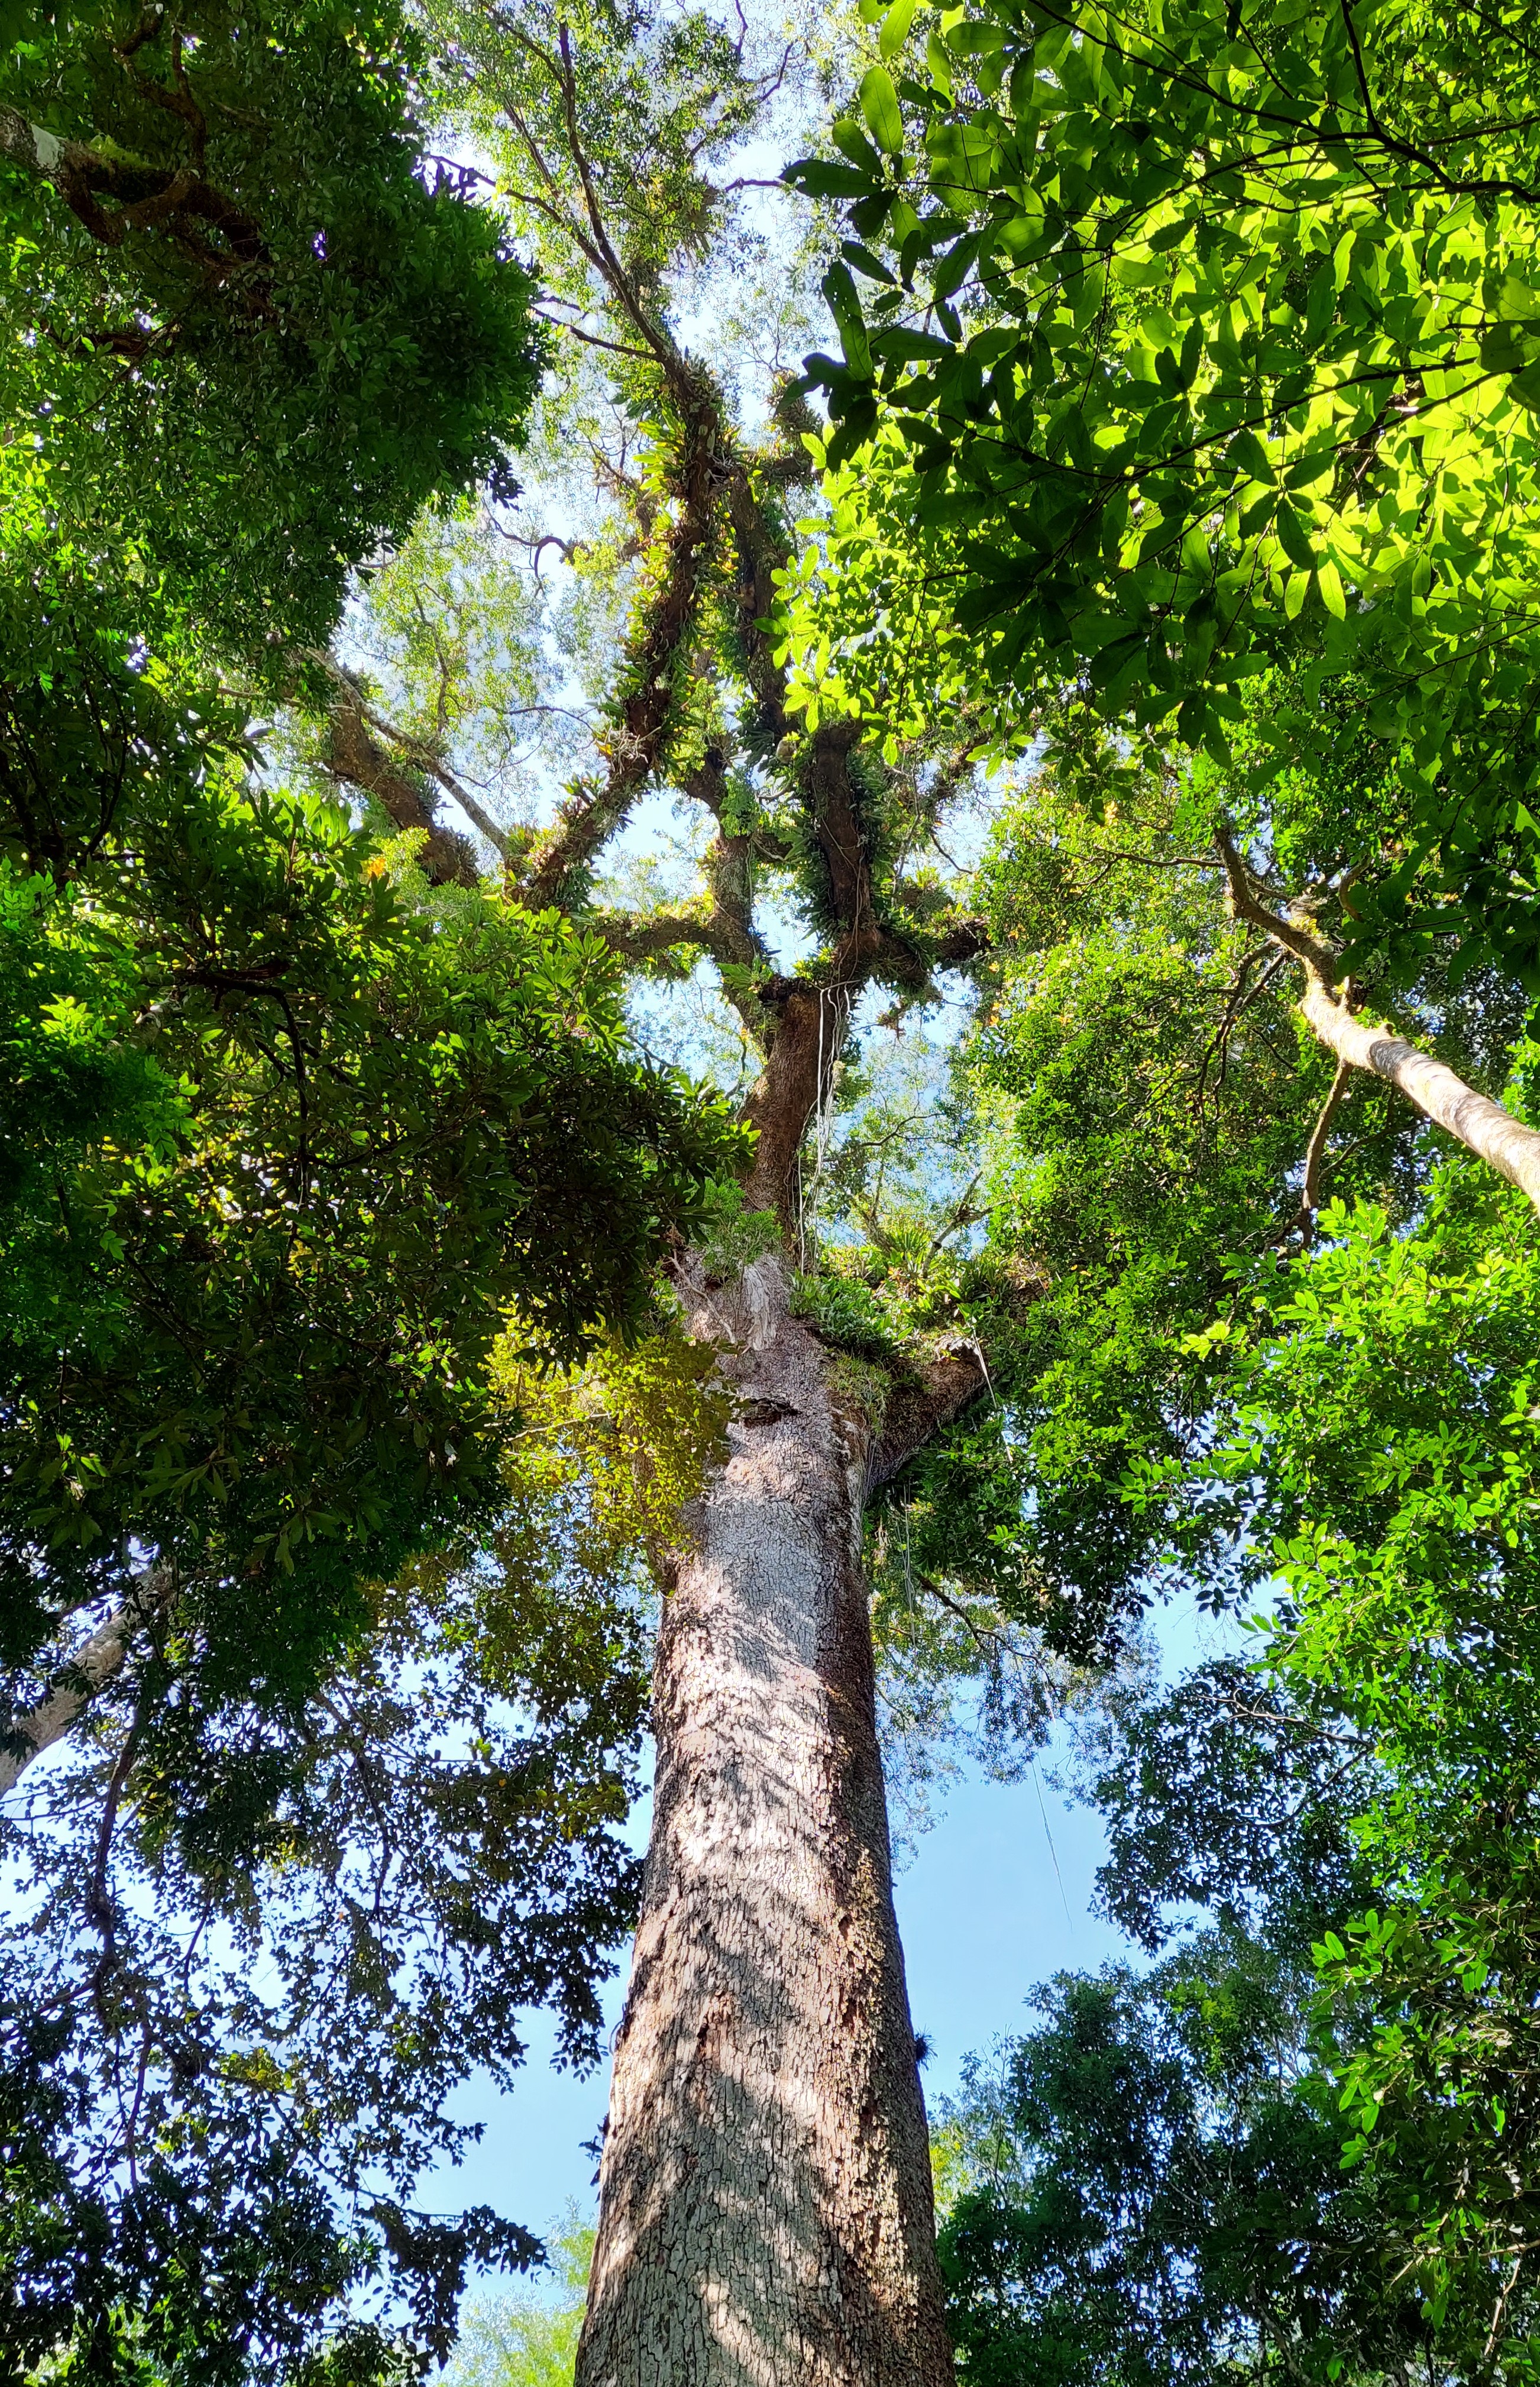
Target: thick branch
x=965, y=940
x=95, y=1663
x=417, y=750
x=355, y=755
x=1474, y=1119
x=144, y=195
x=922, y=1406
x=651, y=936
x=809, y=1032
x=639, y=740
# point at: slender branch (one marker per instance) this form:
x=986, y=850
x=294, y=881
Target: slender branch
x=353, y=755
x=1315, y=1151
x=420, y=752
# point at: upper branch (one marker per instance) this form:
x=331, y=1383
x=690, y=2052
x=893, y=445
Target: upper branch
x=921, y=1406
x=144, y=197
x=354, y=754
x=1474, y=1119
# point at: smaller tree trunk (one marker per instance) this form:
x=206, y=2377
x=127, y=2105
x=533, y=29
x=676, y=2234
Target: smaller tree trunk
x=1482, y=1125
x=765, y=2214
x=94, y=1665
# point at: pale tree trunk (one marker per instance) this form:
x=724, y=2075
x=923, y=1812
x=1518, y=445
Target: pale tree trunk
x=765, y=2215
x=1474, y=1119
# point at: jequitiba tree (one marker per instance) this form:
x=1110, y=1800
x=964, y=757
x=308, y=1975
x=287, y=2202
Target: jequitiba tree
x=764, y=2199
x=968, y=1401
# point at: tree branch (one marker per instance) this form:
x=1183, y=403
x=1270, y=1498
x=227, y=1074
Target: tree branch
x=1474, y=1119
x=421, y=754
x=354, y=755
x=95, y=1663
x=920, y=1406
x=144, y=196
x=639, y=738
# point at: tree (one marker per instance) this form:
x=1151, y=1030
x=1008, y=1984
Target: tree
x=1351, y=1450
x=1392, y=1423
x=298, y=1157
x=1323, y=2165
x=1155, y=2191
x=764, y=2199
x=1132, y=1080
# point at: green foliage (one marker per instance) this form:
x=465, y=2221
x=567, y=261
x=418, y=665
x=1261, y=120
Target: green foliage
x=621, y=1445
x=526, y=2341
x=1145, y=1099
x=1367, y=1785
x=296, y=1934
x=1154, y=2192
x=847, y=1314
x=1199, y=343
x=252, y=1336
x=731, y=1236
x=236, y=393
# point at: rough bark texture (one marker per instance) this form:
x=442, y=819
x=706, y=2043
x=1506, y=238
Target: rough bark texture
x=765, y=2214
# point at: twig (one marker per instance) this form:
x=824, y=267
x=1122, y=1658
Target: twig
x=1310, y=1194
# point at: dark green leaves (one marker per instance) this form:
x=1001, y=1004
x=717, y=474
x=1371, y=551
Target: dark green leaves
x=258, y=389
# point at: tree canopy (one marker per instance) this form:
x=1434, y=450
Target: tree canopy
x=1196, y=356
x=463, y=948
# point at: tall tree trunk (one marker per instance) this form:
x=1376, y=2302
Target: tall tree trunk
x=766, y=2215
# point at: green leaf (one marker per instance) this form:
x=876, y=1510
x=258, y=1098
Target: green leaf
x=895, y=27
x=879, y=106
x=1248, y=451
x=825, y=178
x=1329, y=581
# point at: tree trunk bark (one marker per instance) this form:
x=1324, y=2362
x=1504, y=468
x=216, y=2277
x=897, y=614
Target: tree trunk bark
x=1482, y=1125
x=765, y=2213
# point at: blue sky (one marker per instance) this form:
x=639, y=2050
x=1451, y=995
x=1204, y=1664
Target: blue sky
x=983, y=1914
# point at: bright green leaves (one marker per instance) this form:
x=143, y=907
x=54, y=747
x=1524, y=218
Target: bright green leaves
x=1281, y=386
x=277, y=1250
x=879, y=107
x=894, y=30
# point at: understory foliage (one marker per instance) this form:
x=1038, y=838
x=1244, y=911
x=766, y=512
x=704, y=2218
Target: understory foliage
x=257, y=1941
